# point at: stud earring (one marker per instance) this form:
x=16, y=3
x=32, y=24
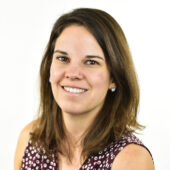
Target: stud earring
x=113, y=89
x=49, y=80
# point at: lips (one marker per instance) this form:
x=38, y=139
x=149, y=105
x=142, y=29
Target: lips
x=74, y=89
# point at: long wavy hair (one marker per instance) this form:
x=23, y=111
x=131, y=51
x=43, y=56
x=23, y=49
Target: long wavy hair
x=118, y=117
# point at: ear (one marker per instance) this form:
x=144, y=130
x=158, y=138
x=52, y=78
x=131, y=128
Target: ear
x=49, y=79
x=112, y=85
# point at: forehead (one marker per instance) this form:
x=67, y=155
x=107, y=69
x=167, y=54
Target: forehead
x=78, y=38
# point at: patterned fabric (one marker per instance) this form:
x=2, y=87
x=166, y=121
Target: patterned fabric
x=103, y=160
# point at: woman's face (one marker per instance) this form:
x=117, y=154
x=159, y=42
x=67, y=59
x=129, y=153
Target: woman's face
x=79, y=75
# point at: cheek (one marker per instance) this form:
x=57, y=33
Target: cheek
x=100, y=79
x=54, y=74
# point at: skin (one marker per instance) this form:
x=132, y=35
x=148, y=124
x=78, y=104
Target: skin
x=79, y=62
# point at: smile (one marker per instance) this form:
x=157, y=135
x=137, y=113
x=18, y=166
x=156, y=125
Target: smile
x=74, y=90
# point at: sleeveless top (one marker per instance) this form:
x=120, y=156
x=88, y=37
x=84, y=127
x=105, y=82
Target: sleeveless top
x=103, y=160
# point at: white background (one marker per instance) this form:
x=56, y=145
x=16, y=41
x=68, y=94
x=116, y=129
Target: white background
x=24, y=31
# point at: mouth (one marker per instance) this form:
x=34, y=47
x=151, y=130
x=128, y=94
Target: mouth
x=74, y=89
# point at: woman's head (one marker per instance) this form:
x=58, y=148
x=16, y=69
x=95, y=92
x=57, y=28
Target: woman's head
x=118, y=114
x=79, y=74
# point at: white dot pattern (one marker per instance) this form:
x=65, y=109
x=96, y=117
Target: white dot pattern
x=103, y=160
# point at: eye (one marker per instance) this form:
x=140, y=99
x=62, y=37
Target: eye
x=62, y=58
x=92, y=62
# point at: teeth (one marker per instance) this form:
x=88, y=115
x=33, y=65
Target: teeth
x=74, y=90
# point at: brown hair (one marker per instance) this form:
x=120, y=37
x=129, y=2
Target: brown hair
x=120, y=108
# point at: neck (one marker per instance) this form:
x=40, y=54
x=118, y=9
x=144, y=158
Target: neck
x=76, y=126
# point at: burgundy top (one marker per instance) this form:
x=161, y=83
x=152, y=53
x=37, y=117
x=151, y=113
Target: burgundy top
x=103, y=160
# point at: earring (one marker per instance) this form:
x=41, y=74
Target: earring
x=49, y=80
x=113, y=89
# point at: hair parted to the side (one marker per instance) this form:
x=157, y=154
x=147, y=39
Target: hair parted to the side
x=118, y=116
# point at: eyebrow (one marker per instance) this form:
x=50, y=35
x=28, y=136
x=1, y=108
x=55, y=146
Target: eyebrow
x=62, y=52
x=94, y=56
x=87, y=56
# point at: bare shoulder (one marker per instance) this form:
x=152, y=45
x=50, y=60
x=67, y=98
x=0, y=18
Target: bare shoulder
x=22, y=143
x=133, y=157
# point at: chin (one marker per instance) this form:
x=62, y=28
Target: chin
x=74, y=111
x=70, y=112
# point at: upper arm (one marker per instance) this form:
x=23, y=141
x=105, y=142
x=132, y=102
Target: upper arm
x=133, y=157
x=21, y=145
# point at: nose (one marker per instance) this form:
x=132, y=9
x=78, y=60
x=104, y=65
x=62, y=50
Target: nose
x=74, y=72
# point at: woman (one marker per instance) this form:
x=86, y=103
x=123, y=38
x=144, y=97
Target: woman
x=89, y=100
